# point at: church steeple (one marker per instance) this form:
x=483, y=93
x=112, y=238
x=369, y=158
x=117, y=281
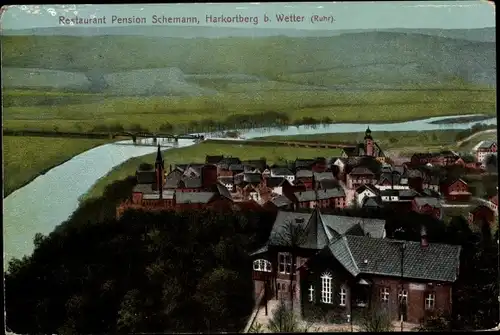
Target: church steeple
x=160, y=172
x=368, y=133
x=159, y=158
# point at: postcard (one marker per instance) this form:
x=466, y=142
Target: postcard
x=247, y=167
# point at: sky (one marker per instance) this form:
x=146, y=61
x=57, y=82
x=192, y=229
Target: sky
x=365, y=15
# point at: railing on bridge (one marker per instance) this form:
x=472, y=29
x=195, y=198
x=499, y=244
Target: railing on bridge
x=155, y=136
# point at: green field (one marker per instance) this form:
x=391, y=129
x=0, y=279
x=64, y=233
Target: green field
x=385, y=139
x=197, y=154
x=25, y=158
x=83, y=112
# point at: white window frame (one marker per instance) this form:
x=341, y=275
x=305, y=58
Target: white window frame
x=311, y=293
x=403, y=294
x=384, y=294
x=343, y=296
x=262, y=265
x=326, y=288
x=284, y=262
x=430, y=301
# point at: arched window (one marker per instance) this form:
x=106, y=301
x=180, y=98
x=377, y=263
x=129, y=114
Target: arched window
x=262, y=265
x=326, y=288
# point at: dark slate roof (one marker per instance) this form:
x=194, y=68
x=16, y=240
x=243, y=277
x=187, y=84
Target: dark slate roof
x=360, y=170
x=408, y=194
x=230, y=160
x=350, y=151
x=304, y=174
x=146, y=177
x=485, y=144
x=370, y=187
x=304, y=163
x=366, y=255
x=281, y=171
x=430, y=193
x=213, y=159
x=414, y=173
x=225, y=180
x=274, y=181
x=389, y=193
x=323, y=175
x=372, y=202
x=247, y=178
x=236, y=167
x=221, y=190
x=190, y=182
x=468, y=159
x=173, y=179
x=319, y=194
x=193, y=197
x=143, y=188
x=260, y=164
x=390, y=177
x=326, y=184
x=196, y=168
x=281, y=201
x=321, y=228
x=332, y=160
x=431, y=201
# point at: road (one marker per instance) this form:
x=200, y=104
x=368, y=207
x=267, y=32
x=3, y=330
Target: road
x=459, y=143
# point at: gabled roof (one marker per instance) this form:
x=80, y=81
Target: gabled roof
x=408, y=194
x=193, y=197
x=431, y=201
x=366, y=255
x=190, y=182
x=319, y=194
x=326, y=184
x=372, y=202
x=304, y=174
x=318, y=226
x=322, y=175
x=281, y=201
x=248, y=178
x=275, y=181
x=281, y=171
x=146, y=177
x=225, y=180
x=361, y=170
x=143, y=188
x=485, y=145
x=229, y=161
x=213, y=159
x=236, y=167
x=369, y=187
x=392, y=178
x=304, y=163
x=221, y=190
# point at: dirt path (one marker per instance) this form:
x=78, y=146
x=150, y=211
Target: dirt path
x=459, y=143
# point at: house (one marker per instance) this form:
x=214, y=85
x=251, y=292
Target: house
x=301, y=164
x=456, y=190
x=325, y=184
x=431, y=182
x=346, y=263
x=410, y=280
x=275, y=184
x=443, y=158
x=390, y=180
x=366, y=191
x=320, y=165
x=428, y=206
x=247, y=186
x=389, y=195
x=256, y=164
x=481, y=214
x=467, y=161
x=359, y=176
x=282, y=172
x=484, y=149
x=272, y=263
x=224, y=164
x=329, y=198
x=304, y=177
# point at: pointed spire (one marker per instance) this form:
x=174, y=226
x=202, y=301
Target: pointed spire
x=159, y=157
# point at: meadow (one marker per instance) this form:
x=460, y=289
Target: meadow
x=25, y=158
x=197, y=154
x=66, y=111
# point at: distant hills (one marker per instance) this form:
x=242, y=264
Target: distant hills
x=337, y=60
x=479, y=35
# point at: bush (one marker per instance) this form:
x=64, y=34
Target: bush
x=376, y=320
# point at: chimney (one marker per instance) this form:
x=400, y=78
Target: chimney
x=423, y=238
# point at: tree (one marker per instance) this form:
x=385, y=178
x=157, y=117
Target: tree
x=376, y=320
x=284, y=320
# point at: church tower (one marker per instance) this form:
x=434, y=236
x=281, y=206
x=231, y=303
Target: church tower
x=369, y=150
x=160, y=172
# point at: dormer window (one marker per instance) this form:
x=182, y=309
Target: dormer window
x=262, y=265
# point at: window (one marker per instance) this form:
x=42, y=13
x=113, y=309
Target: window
x=284, y=263
x=311, y=293
x=384, y=294
x=326, y=288
x=430, y=300
x=403, y=296
x=343, y=296
x=262, y=265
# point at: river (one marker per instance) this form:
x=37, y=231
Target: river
x=52, y=197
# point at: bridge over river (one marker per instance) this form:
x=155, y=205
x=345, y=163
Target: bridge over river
x=155, y=136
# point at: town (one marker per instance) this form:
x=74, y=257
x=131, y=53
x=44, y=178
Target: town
x=328, y=253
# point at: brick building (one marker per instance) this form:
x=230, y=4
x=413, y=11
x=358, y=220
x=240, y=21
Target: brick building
x=346, y=265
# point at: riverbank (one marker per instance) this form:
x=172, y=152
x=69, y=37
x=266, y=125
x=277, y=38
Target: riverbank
x=26, y=158
x=197, y=154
